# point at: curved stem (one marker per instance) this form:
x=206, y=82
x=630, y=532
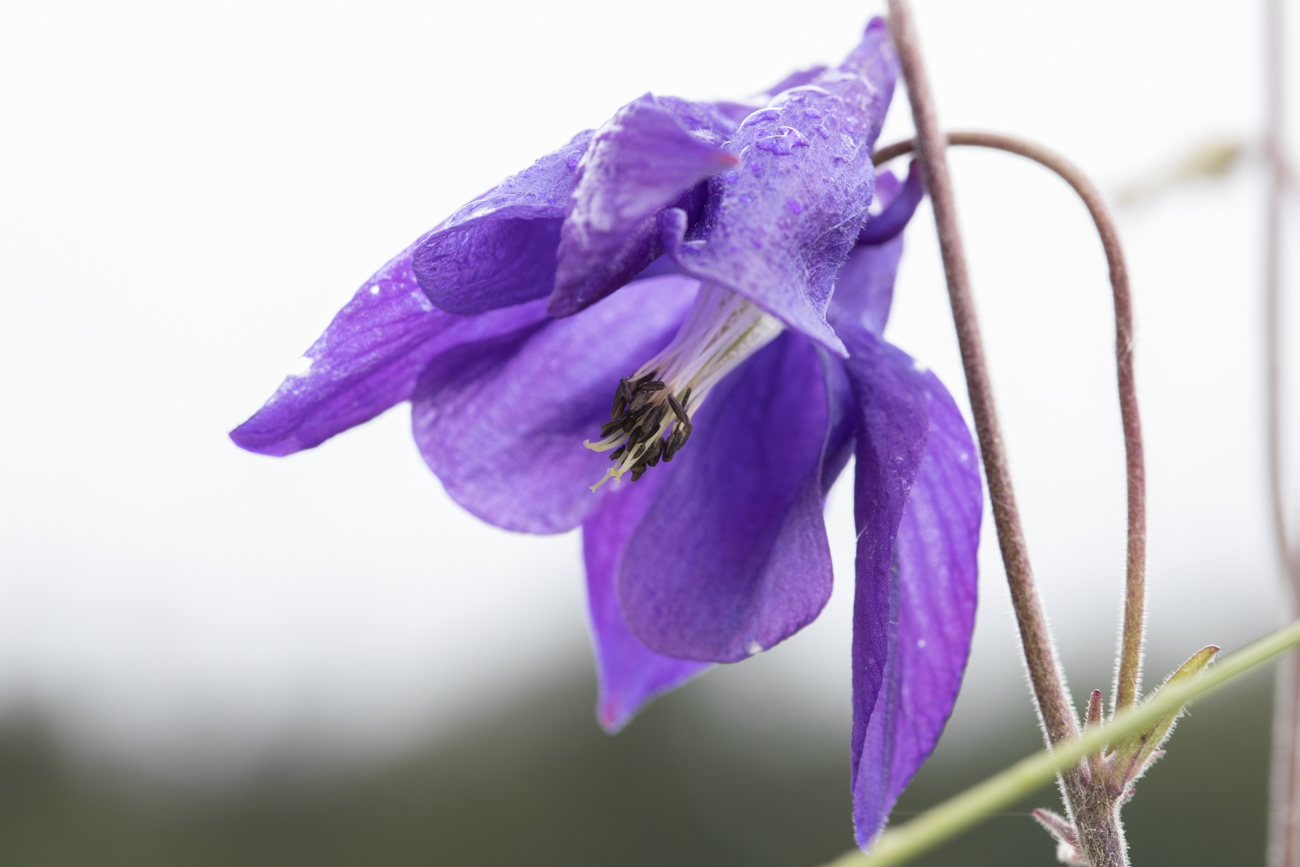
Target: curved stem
x=1094, y=811
x=1131, y=636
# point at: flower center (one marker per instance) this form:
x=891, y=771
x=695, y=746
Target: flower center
x=651, y=417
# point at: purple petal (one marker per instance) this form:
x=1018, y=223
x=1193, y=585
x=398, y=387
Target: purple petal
x=732, y=557
x=502, y=421
x=499, y=250
x=778, y=228
x=864, y=289
x=630, y=673
x=893, y=426
x=933, y=593
x=368, y=360
x=896, y=211
x=644, y=159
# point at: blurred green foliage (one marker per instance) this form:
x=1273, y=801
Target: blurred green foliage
x=538, y=784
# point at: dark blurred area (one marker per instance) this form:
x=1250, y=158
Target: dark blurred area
x=537, y=783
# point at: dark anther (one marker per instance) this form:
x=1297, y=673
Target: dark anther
x=686, y=396
x=638, y=435
x=648, y=424
x=678, y=410
x=653, y=451
x=610, y=426
x=637, y=473
x=652, y=385
x=618, y=452
x=673, y=444
x=656, y=416
x=686, y=429
x=639, y=402
x=621, y=396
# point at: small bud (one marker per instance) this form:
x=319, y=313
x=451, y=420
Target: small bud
x=1067, y=839
x=1132, y=756
x=1095, y=709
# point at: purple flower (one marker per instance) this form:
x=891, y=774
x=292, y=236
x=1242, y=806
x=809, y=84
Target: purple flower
x=668, y=332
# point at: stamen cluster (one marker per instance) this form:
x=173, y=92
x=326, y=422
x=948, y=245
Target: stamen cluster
x=651, y=416
x=638, y=429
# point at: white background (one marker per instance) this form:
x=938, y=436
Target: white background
x=189, y=191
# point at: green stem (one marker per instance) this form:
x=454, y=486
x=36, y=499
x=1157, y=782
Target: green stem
x=901, y=844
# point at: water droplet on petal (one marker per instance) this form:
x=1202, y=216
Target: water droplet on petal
x=782, y=144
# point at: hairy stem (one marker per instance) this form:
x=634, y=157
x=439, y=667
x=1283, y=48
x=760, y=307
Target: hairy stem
x=963, y=811
x=1100, y=834
x=1129, y=670
x=1054, y=705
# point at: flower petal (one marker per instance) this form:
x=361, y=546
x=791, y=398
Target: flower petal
x=893, y=426
x=630, y=673
x=933, y=590
x=897, y=208
x=778, y=228
x=502, y=421
x=638, y=163
x=368, y=360
x=732, y=557
x=864, y=288
x=499, y=250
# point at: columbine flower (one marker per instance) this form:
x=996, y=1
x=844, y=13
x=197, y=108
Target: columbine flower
x=668, y=332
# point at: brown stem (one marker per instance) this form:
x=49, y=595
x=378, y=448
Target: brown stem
x=1284, y=789
x=1130, y=654
x=1054, y=705
x=1095, y=813
x=1285, y=771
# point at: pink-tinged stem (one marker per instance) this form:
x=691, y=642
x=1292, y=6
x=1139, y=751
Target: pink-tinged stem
x=1129, y=670
x=1095, y=814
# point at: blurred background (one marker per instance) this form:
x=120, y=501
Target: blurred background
x=213, y=658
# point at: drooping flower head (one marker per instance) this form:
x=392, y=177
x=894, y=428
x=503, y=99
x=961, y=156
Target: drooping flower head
x=669, y=332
